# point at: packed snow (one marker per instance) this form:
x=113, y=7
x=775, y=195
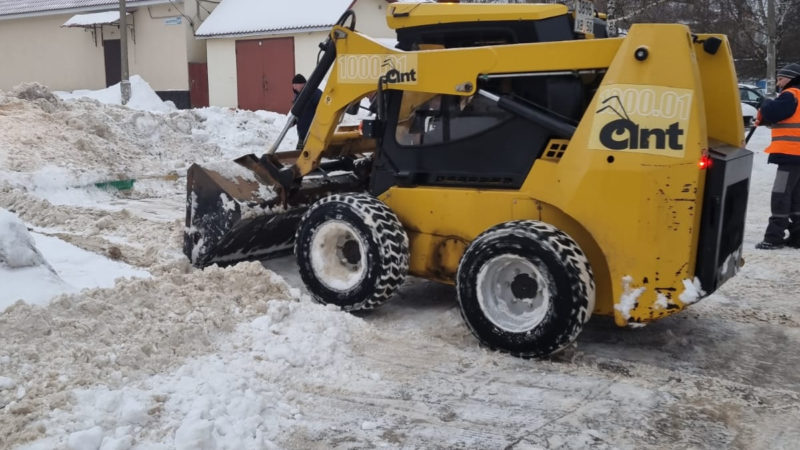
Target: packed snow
x=109, y=339
x=34, y=279
x=630, y=297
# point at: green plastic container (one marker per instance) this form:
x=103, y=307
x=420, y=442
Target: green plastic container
x=118, y=185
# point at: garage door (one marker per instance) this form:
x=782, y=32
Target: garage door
x=264, y=71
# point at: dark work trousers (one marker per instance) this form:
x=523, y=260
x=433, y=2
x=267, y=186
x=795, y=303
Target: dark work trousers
x=785, y=204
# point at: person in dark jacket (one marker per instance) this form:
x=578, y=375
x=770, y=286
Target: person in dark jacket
x=307, y=114
x=783, y=115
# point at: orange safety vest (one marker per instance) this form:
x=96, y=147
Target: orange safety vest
x=786, y=133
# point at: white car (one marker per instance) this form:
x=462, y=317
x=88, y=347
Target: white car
x=752, y=95
x=748, y=115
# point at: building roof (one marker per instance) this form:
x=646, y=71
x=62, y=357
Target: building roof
x=250, y=17
x=11, y=9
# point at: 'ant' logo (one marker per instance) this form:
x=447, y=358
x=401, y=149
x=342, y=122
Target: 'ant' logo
x=395, y=76
x=637, y=137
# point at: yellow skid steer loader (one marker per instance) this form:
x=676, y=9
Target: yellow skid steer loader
x=547, y=171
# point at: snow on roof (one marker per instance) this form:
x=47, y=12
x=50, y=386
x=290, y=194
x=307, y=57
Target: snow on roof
x=23, y=8
x=242, y=17
x=82, y=20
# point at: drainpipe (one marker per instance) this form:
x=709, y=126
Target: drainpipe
x=124, y=84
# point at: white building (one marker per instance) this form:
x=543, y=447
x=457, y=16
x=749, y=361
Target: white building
x=35, y=44
x=252, y=47
x=255, y=47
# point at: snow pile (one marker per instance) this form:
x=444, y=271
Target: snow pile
x=17, y=248
x=84, y=141
x=238, y=132
x=51, y=145
x=38, y=94
x=122, y=234
x=22, y=266
x=141, y=327
x=28, y=276
x=54, y=152
x=143, y=97
x=58, y=150
x=235, y=398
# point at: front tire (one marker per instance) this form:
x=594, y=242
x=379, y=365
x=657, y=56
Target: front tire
x=526, y=288
x=352, y=251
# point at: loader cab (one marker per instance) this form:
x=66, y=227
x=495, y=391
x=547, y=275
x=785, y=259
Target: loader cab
x=475, y=25
x=434, y=140
x=452, y=140
x=469, y=141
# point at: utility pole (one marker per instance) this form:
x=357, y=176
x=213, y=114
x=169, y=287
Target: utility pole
x=771, y=38
x=124, y=84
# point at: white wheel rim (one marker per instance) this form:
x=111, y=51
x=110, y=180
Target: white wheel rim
x=334, y=258
x=513, y=293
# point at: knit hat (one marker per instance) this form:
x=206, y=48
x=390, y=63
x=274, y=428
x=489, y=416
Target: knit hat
x=299, y=79
x=790, y=71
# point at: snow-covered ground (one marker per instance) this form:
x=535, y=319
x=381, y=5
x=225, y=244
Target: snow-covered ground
x=170, y=357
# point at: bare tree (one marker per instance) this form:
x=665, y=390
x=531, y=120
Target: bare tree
x=745, y=22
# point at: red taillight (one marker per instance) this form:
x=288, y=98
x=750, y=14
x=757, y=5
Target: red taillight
x=705, y=162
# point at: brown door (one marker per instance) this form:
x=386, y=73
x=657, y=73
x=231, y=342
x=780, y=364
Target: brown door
x=111, y=52
x=264, y=71
x=198, y=84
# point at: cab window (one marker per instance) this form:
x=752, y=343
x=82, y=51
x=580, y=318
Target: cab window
x=429, y=119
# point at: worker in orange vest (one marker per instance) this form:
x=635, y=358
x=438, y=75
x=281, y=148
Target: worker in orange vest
x=783, y=115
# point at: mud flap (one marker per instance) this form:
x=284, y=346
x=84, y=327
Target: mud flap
x=232, y=217
x=719, y=250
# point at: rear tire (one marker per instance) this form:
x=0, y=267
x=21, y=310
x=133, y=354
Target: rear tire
x=525, y=288
x=352, y=251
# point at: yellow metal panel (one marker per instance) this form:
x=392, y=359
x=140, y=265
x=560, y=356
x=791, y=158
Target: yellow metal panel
x=642, y=208
x=721, y=93
x=432, y=215
x=442, y=221
x=435, y=257
x=406, y=15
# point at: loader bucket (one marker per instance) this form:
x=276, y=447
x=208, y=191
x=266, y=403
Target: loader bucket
x=231, y=216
